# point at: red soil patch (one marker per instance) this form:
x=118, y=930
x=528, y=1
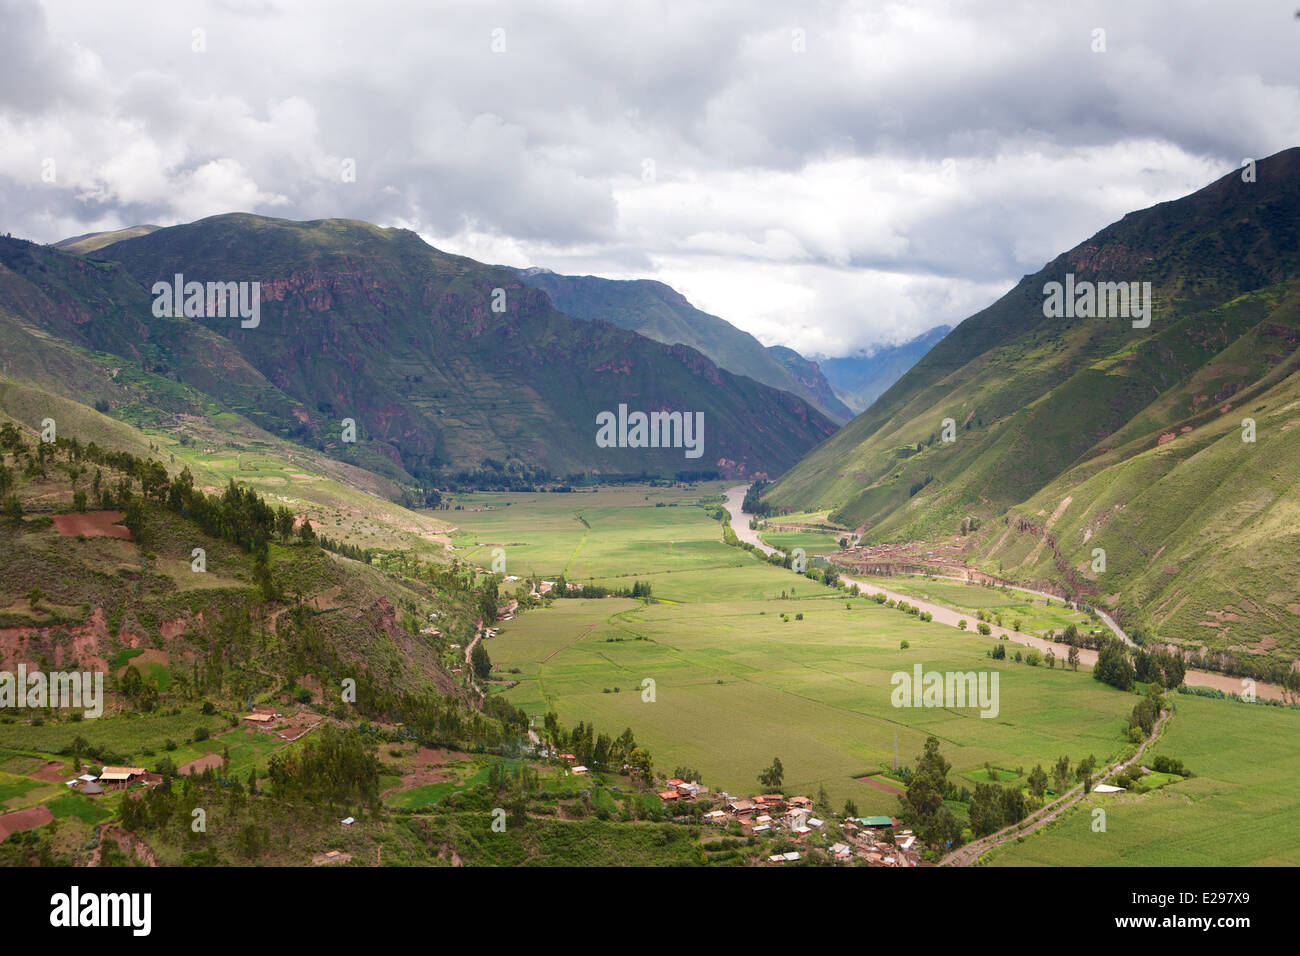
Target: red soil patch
x=93, y=524
x=429, y=767
x=201, y=764
x=880, y=784
x=52, y=772
x=28, y=819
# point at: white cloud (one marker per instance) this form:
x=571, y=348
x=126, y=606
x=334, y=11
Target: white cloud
x=803, y=196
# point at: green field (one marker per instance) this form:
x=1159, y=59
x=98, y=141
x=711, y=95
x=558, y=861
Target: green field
x=739, y=680
x=1240, y=808
x=1034, y=613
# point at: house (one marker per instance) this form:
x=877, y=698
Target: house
x=815, y=823
x=741, y=806
x=122, y=776
x=349, y=821
x=763, y=828
x=795, y=818
x=801, y=802
x=675, y=782
x=260, y=718
x=93, y=790
x=580, y=769
x=881, y=821
x=569, y=757
x=670, y=795
x=715, y=817
x=791, y=856
x=841, y=851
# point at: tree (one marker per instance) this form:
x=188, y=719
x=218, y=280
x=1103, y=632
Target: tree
x=1113, y=666
x=926, y=790
x=306, y=534
x=284, y=524
x=479, y=661
x=641, y=764
x=1073, y=658
x=133, y=519
x=961, y=625
x=13, y=510
x=1038, y=781
x=1061, y=774
x=773, y=775
x=34, y=597
x=850, y=809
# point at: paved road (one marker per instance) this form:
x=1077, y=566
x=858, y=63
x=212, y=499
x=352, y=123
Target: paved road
x=946, y=615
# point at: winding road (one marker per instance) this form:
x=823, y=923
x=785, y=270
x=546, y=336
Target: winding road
x=943, y=614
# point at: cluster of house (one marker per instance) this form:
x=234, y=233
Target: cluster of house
x=682, y=790
x=114, y=778
x=767, y=814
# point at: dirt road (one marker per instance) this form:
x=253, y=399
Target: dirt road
x=968, y=854
x=946, y=615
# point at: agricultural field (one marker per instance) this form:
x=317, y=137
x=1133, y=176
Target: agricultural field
x=608, y=533
x=1239, y=808
x=1035, y=614
x=739, y=678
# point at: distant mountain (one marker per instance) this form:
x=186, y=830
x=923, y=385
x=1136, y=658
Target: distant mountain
x=88, y=243
x=377, y=326
x=862, y=378
x=1073, y=434
x=809, y=375
x=659, y=312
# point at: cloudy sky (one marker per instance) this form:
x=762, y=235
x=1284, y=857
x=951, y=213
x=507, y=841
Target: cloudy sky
x=828, y=176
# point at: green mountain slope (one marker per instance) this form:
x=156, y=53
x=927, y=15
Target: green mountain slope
x=1041, y=405
x=375, y=325
x=91, y=241
x=660, y=312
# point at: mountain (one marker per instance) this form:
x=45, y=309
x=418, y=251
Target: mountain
x=862, y=378
x=809, y=375
x=89, y=242
x=374, y=325
x=659, y=312
x=1075, y=434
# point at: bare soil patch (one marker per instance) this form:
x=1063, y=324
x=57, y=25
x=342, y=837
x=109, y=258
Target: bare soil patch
x=879, y=784
x=52, y=772
x=201, y=764
x=93, y=524
x=27, y=819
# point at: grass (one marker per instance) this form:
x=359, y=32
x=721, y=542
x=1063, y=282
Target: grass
x=75, y=805
x=1034, y=614
x=736, y=684
x=1239, y=809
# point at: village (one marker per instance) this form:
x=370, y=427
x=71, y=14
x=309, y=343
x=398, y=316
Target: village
x=874, y=840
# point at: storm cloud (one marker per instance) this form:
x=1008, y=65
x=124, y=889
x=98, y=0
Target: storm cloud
x=829, y=176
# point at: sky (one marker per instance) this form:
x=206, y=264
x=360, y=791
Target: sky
x=828, y=176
